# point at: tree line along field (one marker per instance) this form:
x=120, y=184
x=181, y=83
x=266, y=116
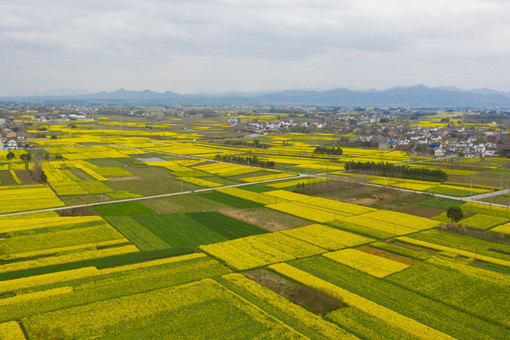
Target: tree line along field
x=278, y=256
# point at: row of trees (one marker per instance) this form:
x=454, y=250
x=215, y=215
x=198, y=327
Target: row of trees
x=24, y=157
x=400, y=171
x=253, y=160
x=328, y=150
x=27, y=157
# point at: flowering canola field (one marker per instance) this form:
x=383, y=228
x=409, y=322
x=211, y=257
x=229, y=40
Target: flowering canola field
x=136, y=277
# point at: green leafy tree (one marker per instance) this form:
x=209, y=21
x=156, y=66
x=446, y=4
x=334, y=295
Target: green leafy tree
x=38, y=173
x=25, y=157
x=10, y=155
x=454, y=213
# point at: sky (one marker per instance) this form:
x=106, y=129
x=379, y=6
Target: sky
x=192, y=46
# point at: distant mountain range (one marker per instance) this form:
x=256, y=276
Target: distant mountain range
x=412, y=96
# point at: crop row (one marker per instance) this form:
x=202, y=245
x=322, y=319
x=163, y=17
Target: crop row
x=178, y=230
x=11, y=331
x=111, y=171
x=331, y=206
x=403, y=220
x=483, y=222
x=168, y=312
x=176, y=168
x=233, y=201
x=136, y=233
x=200, y=182
x=292, y=183
x=260, y=250
x=302, y=320
x=275, y=175
x=80, y=188
x=56, y=233
x=415, y=307
x=371, y=264
x=10, y=224
x=225, y=169
x=504, y=229
x=21, y=284
x=118, y=195
x=466, y=243
x=27, y=197
x=475, y=295
x=326, y=237
x=305, y=211
x=90, y=172
x=393, y=318
x=480, y=208
x=468, y=254
x=85, y=254
x=61, y=250
x=248, y=195
x=371, y=227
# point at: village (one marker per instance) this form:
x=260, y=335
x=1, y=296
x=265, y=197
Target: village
x=423, y=132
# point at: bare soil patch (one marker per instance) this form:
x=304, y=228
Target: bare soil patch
x=307, y=297
x=413, y=247
x=24, y=177
x=83, y=211
x=366, y=201
x=389, y=255
x=265, y=218
x=422, y=211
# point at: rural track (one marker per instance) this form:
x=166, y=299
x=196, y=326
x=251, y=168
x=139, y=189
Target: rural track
x=474, y=198
x=151, y=197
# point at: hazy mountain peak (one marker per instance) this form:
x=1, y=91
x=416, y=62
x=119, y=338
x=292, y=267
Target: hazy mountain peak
x=404, y=96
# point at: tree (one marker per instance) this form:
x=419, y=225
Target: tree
x=38, y=173
x=25, y=157
x=454, y=213
x=10, y=155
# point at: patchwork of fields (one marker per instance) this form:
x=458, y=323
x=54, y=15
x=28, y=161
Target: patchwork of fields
x=273, y=259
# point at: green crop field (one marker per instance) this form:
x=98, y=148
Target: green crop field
x=179, y=230
x=471, y=296
x=136, y=233
x=442, y=203
x=226, y=226
x=233, y=201
x=124, y=209
x=183, y=204
x=466, y=243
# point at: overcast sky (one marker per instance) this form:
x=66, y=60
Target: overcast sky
x=189, y=46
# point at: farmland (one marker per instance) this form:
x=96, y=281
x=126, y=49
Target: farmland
x=142, y=233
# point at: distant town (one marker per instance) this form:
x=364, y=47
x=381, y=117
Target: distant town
x=438, y=132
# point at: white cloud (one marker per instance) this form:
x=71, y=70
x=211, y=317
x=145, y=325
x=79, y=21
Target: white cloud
x=252, y=45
